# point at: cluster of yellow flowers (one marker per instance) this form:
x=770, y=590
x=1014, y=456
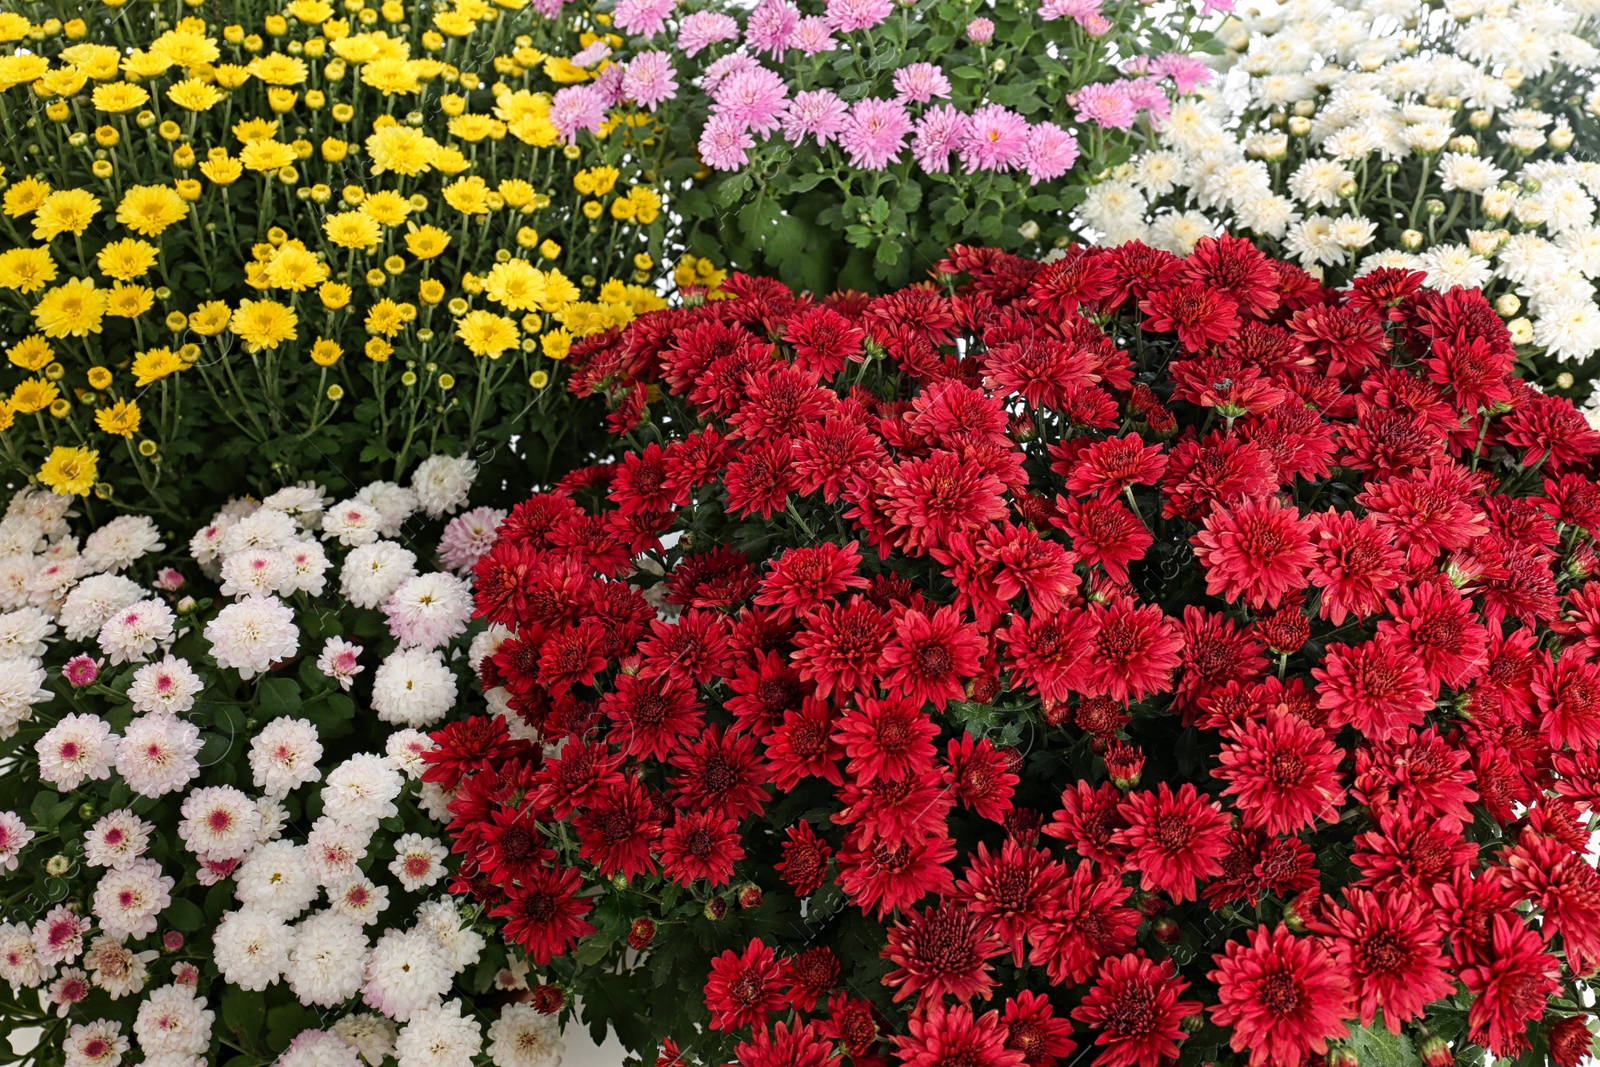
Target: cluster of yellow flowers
x=233, y=228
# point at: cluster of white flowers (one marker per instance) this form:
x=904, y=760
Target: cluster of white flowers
x=313, y=905
x=1388, y=133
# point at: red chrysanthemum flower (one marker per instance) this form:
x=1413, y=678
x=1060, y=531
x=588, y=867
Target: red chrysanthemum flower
x=888, y=738
x=510, y=848
x=1257, y=552
x=1284, y=773
x=1373, y=686
x=929, y=656
x=1256, y=864
x=800, y=1045
x=465, y=747
x=981, y=777
x=744, y=988
x=955, y=1037
x=761, y=478
x=1569, y=1041
x=1199, y=315
x=545, y=913
x=1509, y=986
x=1568, y=692
x=617, y=829
x=1091, y=921
x=580, y=771
x=640, y=482
x=803, y=746
x=1426, y=512
x=1555, y=876
x=1172, y=839
x=803, y=578
x=1043, y=651
x=1412, y=852
x=701, y=844
x=1012, y=891
x=1387, y=945
x=1282, y=995
x=927, y=500
x=939, y=952
x=1034, y=1029
x=1133, y=1004
x=1105, y=535
x=1132, y=651
x=649, y=715
x=1419, y=772
x=1088, y=821
x=812, y=975
x=693, y=650
x=822, y=340
x=1355, y=566
x=1221, y=469
x=718, y=578
x=719, y=772
x=841, y=646
x=1549, y=430
x=879, y=877
x=1438, y=627
x=1104, y=468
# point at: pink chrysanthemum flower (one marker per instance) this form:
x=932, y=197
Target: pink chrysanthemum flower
x=996, y=139
x=940, y=131
x=874, y=133
x=649, y=79
x=724, y=143
x=815, y=113
x=754, y=99
x=720, y=70
x=577, y=107
x=1076, y=10
x=847, y=16
x=591, y=55
x=1106, y=105
x=980, y=31
x=1187, y=72
x=701, y=30
x=644, y=18
x=812, y=35
x=1051, y=153
x=920, y=83
x=771, y=27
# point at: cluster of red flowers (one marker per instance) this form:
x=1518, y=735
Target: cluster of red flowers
x=1166, y=658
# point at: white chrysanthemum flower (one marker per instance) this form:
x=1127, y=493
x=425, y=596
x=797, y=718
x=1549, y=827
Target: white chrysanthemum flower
x=14, y=837
x=373, y=572
x=274, y=817
x=23, y=633
x=434, y=802
x=318, y=1048
x=50, y=581
x=284, y=755
x=120, y=542
x=405, y=748
x=95, y=1044
x=157, y=754
x=439, y=1037
x=19, y=960
x=49, y=509
x=167, y=686
x=468, y=537
x=253, y=634
x=117, y=839
x=1116, y=209
x=360, y=899
x=360, y=791
x=173, y=1022
x=333, y=851
x=275, y=878
x=395, y=504
x=372, y=1035
x=1270, y=215
x=428, y=610
x=304, y=502
x=443, y=482
x=460, y=943
x=486, y=643
x=418, y=861
x=406, y=973
x=1179, y=231
x=21, y=687
x=413, y=687
x=1580, y=246
x=1352, y=232
x=327, y=960
x=1568, y=329
x=1311, y=241
x=93, y=601
x=251, y=948
x=21, y=535
x=132, y=634
x=352, y=522
x=522, y=1037
x=119, y=970
x=1452, y=265
x=308, y=568
x=76, y=749
x=15, y=572
x=1316, y=182
x=219, y=823
x=341, y=661
x=127, y=901
x=264, y=529
x=206, y=544
x=1465, y=172
x=256, y=572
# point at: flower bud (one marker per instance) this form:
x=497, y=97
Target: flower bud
x=1506, y=304
x=1166, y=931
x=187, y=606
x=1341, y=1056
x=640, y=934
x=1521, y=331
x=1411, y=240
x=57, y=865
x=172, y=940
x=548, y=999
x=81, y=671
x=716, y=909
x=1434, y=1052
x=749, y=895
x=1565, y=380
x=1561, y=138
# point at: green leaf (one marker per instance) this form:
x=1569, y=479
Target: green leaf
x=276, y=697
x=806, y=182
x=184, y=915
x=285, y=1022
x=243, y=1013
x=878, y=210
x=1376, y=1047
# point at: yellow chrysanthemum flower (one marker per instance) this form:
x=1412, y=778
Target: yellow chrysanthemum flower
x=223, y=171
x=385, y=318
x=24, y=196
x=470, y=195
x=556, y=344
x=33, y=394
x=263, y=324
x=126, y=259
x=295, y=269
x=401, y=150
x=72, y=309
x=187, y=45
x=267, y=155
x=192, y=94
x=646, y=204
x=426, y=242
x=387, y=207
x=210, y=318
x=70, y=471
x=120, y=419
x=99, y=378
x=26, y=269
x=487, y=334
x=125, y=301
x=155, y=364
x=279, y=69
x=516, y=284
x=310, y=12
x=118, y=97
x=258, y=129
x=65, y=211
x=352, y=229
x=31, y=353
x=325, y=353
x=149, y=209
x=558, y=291
x=392, y=76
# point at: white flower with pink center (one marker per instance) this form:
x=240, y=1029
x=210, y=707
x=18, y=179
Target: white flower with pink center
x=219, y=823
x=133, y=633
x=128, y=901
x=341, y=661
x=79, y=748
x=14, y=834
x=418, y=861
x=117, y=839
x=58, y=937
x=168, y=685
